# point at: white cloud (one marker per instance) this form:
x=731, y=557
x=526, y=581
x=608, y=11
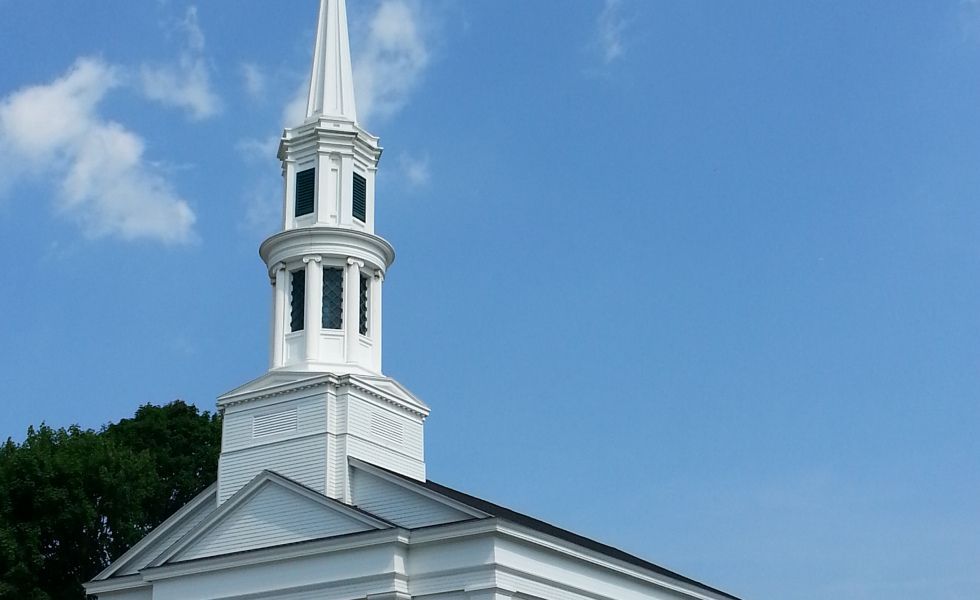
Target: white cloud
x=254, y=80
x=294, y=113
x=104, y=182
x=263, y=206
x=258, y=150
x=415, y=169
x=187, y=84
x=610, y=31
x=392, y=61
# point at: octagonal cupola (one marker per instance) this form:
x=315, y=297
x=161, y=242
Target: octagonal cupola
x=326, y=265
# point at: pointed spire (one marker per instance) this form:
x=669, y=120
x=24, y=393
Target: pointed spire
x=332, y=82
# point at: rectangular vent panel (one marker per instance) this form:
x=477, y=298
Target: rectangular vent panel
x=305, y=191
x=386, y=428
x=360, y=198
x=281, y=422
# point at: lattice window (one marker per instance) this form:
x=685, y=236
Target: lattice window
x=365, y=288
x=297, y=299
x=333, y=298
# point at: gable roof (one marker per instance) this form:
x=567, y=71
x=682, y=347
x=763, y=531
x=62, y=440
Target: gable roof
x=272, y=510
x=180, y=537
x=506, y=514
x=163, y=535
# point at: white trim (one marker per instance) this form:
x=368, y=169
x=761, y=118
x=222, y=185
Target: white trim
x=209, y=492
x=533, y=536
x=500, y=526
x=278, y=553
x=491, y=527
x=250, y=489
x=306, y=381
x=123, y=582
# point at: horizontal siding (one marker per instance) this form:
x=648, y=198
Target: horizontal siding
x=388, y=428
x=399, y=505
x=337, y=591
x=381, y=456
x=311, y=416
x=276, y=423
x=273, y=516
x=138, y=594
x=302, y=460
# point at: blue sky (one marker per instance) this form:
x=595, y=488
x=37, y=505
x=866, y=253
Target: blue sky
x=699, y=279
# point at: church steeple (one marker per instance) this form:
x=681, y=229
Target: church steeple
x=332, y=82
x=327, y=265
x=324, y=399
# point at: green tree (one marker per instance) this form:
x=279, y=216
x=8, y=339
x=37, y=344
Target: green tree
x=71, y=500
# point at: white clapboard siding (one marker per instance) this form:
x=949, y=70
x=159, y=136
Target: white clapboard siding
x=399, y=505
x=251, y=427
x=386, y=428
x=382, y=456
x=302, y=460
x=274, y=423
x=273, y=516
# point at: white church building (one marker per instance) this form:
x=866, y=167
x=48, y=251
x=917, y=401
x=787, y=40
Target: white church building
x=322, y=489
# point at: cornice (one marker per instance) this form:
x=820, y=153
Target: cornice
x=325, y=135
x=328, y=241
x=279, y=553
x=317, y=381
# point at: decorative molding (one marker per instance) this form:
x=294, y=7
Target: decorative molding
x=393, y=535
x=327, y=381
x=209, y=494
x=274, y=271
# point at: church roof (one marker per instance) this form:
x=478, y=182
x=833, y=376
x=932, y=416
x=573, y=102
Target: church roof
x=274, y=513
x=506, y=514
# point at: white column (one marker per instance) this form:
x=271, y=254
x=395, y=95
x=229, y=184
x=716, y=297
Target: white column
x=352, y=313
x=372, y=174
x=280, y=293
x=288, y=192
x=314, y=306
x=324, y=197
x=374, y=323
x=346, y=190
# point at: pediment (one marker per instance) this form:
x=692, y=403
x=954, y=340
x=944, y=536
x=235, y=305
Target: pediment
x=163, y=536
x=270, y=511
x=273, y=381
x=386, y=386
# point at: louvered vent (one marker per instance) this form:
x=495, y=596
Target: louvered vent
x=281, y=422
x=305, y=191
x=365, y=286
x=360, y=197
x=333, y=298
x=386, y=428
x=297, y=301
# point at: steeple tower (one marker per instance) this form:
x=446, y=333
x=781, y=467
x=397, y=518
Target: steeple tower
x=324, y=398
x=327, y=263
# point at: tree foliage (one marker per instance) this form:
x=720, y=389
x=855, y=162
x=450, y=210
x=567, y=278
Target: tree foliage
x=71, y=500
